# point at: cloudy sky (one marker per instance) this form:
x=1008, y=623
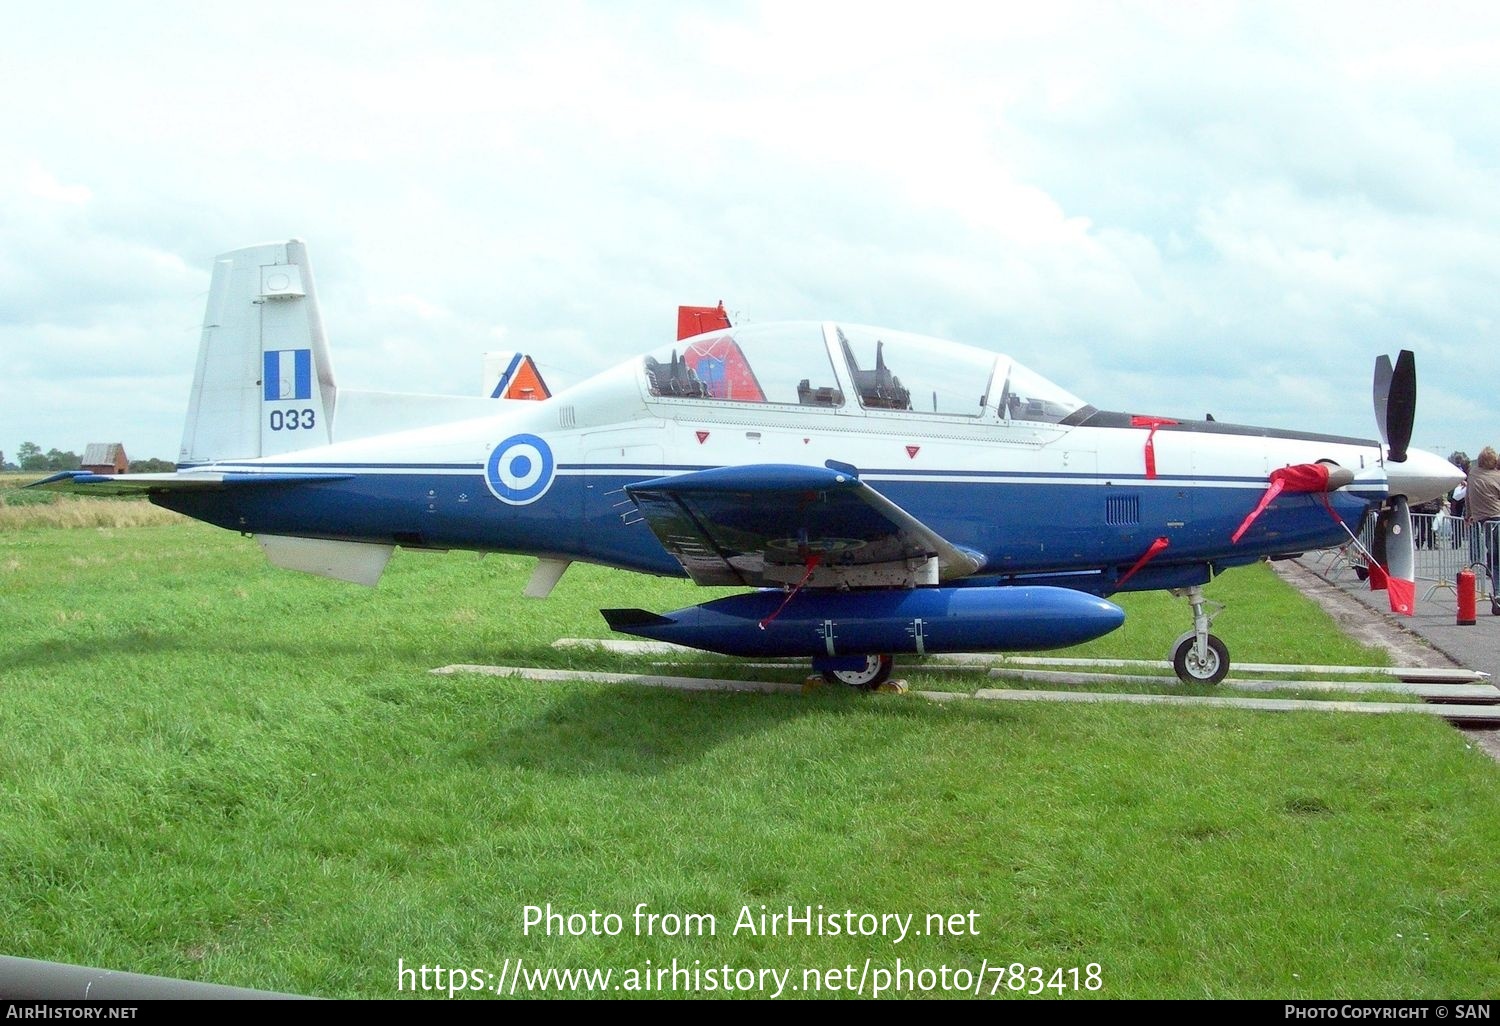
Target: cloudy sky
x=1171, y=208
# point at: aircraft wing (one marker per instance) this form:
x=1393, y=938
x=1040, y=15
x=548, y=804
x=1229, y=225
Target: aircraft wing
x=772, y=524
x=85, y=483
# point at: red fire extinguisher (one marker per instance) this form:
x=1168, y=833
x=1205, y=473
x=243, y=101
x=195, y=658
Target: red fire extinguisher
x=1466, y=615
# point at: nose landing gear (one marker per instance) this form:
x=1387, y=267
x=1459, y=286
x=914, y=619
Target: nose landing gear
x=1197, y=656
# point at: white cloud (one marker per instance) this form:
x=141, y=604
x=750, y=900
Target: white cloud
x=1226, y=206
x=44, y=186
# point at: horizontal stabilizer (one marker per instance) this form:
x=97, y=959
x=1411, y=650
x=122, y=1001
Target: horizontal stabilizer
x=82, y=482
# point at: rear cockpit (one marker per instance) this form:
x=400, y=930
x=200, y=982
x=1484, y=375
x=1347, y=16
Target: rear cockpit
x=851, y=369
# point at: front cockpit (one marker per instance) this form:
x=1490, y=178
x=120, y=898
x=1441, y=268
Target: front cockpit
x=853, y=369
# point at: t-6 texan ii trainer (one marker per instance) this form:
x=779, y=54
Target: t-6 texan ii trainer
x=877, y=492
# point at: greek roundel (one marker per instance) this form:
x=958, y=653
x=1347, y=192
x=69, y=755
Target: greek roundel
x=520, y=470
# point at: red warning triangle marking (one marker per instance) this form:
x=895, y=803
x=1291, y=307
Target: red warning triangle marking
x=912, y=450
x=702, y=437
x=806, y=440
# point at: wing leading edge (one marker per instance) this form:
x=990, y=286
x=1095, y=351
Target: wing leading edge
x=772, y=524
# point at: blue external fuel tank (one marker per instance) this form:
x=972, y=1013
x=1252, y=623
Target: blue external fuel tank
x=839, y=623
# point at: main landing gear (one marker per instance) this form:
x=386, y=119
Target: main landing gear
x=1198, y=656
x=875, y=672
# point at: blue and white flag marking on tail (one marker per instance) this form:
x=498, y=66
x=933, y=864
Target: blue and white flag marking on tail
x=288, y=374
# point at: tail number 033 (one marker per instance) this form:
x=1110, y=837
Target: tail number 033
x=292, y=420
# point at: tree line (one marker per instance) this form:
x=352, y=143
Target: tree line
x=30, y=457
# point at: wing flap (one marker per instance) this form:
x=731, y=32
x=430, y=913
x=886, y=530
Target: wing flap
x=769, y=524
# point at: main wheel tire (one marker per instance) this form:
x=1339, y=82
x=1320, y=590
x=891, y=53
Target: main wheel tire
x=1192, y=670
x=877, y=671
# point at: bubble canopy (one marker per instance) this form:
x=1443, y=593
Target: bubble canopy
x=853, y=367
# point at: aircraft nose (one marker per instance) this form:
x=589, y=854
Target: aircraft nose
x=1423, y=477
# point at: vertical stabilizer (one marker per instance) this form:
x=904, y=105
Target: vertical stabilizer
x=264, y=381
x=513, y=376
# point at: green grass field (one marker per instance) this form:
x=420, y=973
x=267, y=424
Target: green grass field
x=216, y=770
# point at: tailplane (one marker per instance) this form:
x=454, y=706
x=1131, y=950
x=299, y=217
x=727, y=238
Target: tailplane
x=264, y=382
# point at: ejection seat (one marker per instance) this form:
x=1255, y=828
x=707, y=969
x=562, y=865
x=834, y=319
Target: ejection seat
x=675, y=378
x=878, y=388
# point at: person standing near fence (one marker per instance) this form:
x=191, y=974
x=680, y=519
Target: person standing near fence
x=1482, y=512
x=1456, y=500
x=1423, y=517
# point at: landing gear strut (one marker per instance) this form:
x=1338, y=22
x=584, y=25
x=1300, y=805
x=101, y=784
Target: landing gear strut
x=1198, y=656
x=875, y=672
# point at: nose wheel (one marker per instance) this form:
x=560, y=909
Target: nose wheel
x=1199, y=657
x=875, y=672
x=1194, y=667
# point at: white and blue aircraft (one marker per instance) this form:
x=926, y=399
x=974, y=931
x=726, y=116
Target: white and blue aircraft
x=878, y=492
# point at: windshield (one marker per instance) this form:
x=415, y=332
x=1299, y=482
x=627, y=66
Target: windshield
x=1027, y=395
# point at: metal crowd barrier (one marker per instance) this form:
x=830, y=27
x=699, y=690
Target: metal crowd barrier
x=1444, y=546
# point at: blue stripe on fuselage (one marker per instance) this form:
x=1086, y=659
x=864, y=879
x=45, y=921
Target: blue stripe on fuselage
x=1020, y=526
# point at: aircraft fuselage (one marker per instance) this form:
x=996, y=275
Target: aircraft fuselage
x=1030, y=497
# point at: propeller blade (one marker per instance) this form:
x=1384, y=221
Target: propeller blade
x=1401, y=406
x=1383, y=376
x=1378, y=548
x=1401, y=556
